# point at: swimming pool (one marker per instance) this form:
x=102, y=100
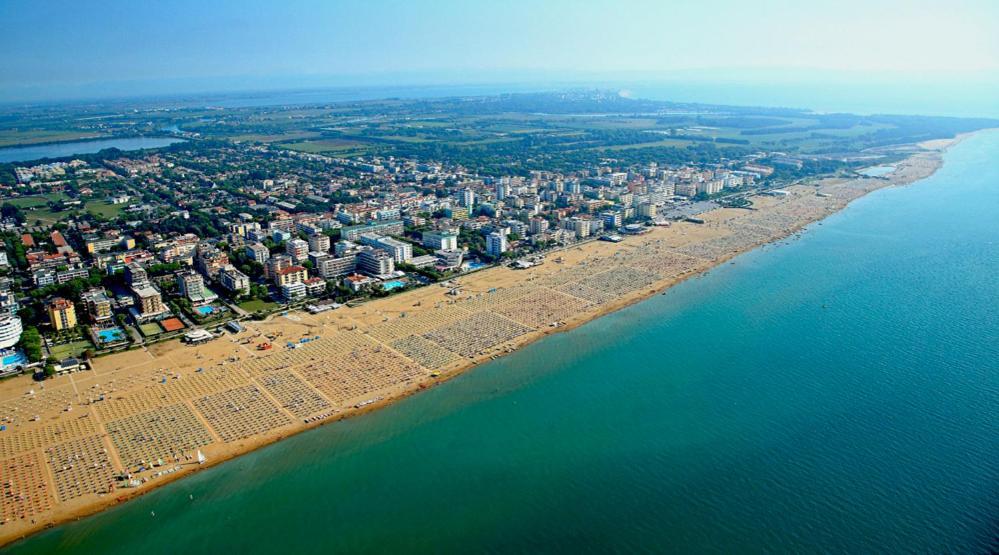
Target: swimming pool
x=111, y=335
x=15, y=358
x=205, y=310
x=469, y=266
x=394, y=284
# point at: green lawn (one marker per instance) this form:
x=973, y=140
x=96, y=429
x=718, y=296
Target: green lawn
x=104, y=208
x=151, y=329
x=35, y=200
x=11, y=137
x=257, y=304
x=67, y=350
x=326, y=145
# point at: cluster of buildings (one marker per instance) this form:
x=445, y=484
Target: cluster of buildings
x=317, y=227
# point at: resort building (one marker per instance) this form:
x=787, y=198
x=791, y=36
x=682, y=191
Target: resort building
x=330, y=267
x=275, y=264
x=611, y=219
x=450, y=258
x=135, y=274
x=210, y=260
x=538, y=226
x=10, y=331
x=375, y=262
x=441, y=240
x=297, y=249
x=257, y=253
x=148, y=300
x=315, y=286
x=62, y=314
x=294, y=291
x=353, y=233
x=496, y=244
x=97, y=305
x=233, y=280
x=291, y=274
x=319, y=243
x=192, y=285
x=400, y=250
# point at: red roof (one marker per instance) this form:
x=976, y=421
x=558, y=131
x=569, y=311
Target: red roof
x=291, y=270
x=57, y=239
x=172, y=324
x=27, y=240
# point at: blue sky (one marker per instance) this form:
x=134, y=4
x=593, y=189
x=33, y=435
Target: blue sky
x=52, y=48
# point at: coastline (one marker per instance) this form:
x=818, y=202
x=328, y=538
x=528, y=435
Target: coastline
x=686, y=240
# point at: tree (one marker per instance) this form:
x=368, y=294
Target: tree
x=31, y=344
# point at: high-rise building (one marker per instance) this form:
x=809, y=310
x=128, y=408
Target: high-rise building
x=297, y=249
x=319, y=243
x=209, y=260
x=330, y=267
x=496, y=244
x=400, y=250
x=135, y=274
x=446, y=239
x=62, y=313
x=538, y=225
x=275, y=264
x=10, y=331
x=149, y=300
x=375, y=262
x=97, y=305
x=290, y=275
x=466, y=198
x=257, y=253
x=233, y=280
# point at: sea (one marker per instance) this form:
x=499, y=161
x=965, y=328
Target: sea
x=834, y=392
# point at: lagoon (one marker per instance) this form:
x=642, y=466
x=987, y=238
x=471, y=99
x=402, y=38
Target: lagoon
x=60, y=150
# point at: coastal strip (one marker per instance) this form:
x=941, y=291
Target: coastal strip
x=163, y=412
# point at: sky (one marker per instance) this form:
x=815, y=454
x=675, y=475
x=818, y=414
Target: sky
x=58, y=49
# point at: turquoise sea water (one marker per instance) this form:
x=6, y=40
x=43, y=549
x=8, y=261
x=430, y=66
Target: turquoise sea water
x=834, y=393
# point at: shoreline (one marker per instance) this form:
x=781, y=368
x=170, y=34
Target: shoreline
x=386, y=333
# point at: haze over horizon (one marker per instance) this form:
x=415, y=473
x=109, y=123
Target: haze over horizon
x=68, y=50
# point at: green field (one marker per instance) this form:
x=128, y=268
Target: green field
x=104, y=208
x=324, y=145
x=68, y=350
x=150, y=330
x=12, y=137
x=258, y=305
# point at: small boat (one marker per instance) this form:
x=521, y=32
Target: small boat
x=201, y=457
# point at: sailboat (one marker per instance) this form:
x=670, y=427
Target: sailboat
x=201, y=457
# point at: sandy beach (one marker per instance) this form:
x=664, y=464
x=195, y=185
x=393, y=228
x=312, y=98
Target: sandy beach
x=149, y=411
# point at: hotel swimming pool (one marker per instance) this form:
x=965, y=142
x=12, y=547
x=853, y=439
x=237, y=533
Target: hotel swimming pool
x=111, y=335
x=205, y=310
x=13, y=359
x=469, y=266
x=394, y=284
